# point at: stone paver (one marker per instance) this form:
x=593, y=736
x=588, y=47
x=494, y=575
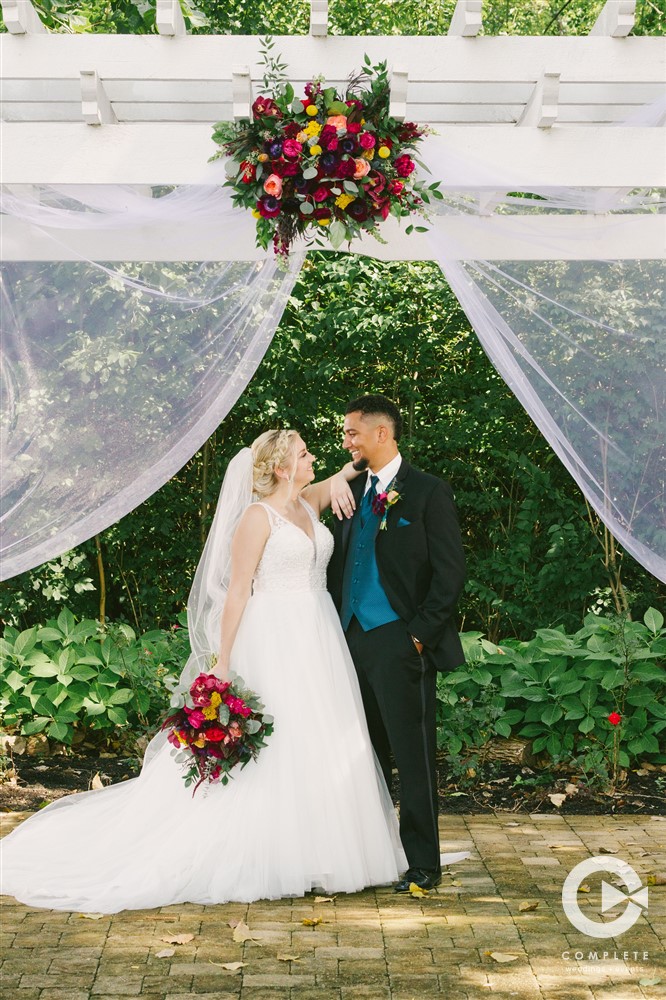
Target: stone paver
x=375, y=944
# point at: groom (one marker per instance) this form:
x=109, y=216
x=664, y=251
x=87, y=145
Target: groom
x=395, y=576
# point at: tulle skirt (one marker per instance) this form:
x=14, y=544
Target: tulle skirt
x=311, y=812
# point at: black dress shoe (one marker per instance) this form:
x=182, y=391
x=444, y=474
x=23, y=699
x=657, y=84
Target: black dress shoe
x=421, y=877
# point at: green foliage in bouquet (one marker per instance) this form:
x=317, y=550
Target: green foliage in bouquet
x=324, y=163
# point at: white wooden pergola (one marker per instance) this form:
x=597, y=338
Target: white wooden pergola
x=137, y=110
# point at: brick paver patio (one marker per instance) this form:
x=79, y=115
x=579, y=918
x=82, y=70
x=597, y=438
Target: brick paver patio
x=375, y=944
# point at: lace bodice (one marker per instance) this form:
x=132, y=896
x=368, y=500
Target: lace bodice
x=290, y=560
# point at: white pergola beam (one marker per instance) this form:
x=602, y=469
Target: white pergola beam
x=542, y=108
x=206, y=58
x=319, y=18
x=398, y=94
x=169, y=18
x=241, y=93
x=616, y=19
x=467, y=18
x=495, y=238
x=21, y=18
x=95, y=105
x=177, y=153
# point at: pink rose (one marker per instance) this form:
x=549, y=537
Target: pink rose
x=362, y=168
x=195, y=717
x=292, y=149
x=396, y=187
x=321, y=194
x=273, y=185
x=367, y=140
x=404, y=166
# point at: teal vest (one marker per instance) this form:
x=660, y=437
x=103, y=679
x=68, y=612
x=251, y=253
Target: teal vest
x=362, y=591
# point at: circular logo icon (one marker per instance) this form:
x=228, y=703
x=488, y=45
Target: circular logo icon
x=635, y=899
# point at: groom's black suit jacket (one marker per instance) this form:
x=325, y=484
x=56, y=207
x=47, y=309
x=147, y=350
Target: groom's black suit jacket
x=421, y=564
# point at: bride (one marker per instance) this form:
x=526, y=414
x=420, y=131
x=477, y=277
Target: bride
x=313, y=809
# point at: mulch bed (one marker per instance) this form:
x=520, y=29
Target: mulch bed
x=519, y=789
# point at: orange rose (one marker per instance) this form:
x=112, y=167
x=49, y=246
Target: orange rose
x=362, y=168
x=337, y=121
x=273, y=185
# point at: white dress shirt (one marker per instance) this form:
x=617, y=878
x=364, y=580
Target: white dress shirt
x=385, y=475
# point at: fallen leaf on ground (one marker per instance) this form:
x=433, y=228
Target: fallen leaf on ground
x=243, y=933
x=649, y=982
x=526, y=906
x=584, y=887
x=570, y=788
x=656, y=878
x=96, y=783
x=312, y=921
x=456, y=881
x=557, y=798
x=229, y=966
x=416, y=890
x=178, y=939
x=502, y=956
x=607, y=850
x=91, y=916
x=165, y=953
x=512, y=823
x=324, y=899
x=289, y=958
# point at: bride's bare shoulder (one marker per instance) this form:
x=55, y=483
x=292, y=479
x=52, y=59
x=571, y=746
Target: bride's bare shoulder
x=255, y=520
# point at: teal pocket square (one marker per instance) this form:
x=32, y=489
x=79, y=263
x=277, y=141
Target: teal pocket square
x=402, y=523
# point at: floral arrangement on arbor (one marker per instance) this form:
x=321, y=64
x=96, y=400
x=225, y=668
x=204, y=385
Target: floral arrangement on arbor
x=325, y=163
x=221, y=725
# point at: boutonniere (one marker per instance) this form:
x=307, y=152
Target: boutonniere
x=382, y=502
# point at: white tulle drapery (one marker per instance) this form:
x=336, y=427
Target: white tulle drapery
x=112, y=379
x=115, y=375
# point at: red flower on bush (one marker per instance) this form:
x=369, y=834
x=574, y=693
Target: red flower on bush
x=615, y=719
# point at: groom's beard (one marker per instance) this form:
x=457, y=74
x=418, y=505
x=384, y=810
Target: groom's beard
x=361, y=465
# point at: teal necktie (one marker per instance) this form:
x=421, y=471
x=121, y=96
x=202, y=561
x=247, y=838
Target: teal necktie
x=368, y=497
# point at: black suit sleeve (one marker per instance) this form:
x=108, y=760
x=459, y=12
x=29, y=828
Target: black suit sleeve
x=447, y=561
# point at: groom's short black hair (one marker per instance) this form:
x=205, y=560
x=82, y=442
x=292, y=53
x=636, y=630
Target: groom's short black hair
x=376, y=405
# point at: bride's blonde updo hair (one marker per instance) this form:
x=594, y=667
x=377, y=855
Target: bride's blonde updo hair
x=271, y=450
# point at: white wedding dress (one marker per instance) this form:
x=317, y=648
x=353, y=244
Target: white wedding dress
x=311, y=811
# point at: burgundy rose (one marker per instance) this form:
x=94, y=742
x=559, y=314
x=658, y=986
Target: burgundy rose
x=346, y=168
x=292, y=149
x=353, y=127
x=367, y=141
x=321, y=193
x=333, y=144
x=291, y=130
x=358, y=209
x=404, y=166
x=290, y=170
x=409, y=131
x=268, y=207
x=322, y=213
x=326, y=134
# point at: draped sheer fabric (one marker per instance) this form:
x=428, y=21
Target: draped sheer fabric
x=115, y=375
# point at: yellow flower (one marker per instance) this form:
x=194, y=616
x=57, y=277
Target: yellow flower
x=255, y=214
x=311, y=110
x=200, y=743
x=384, y=151
x=324, y=222
x=314, y=128
x=362, y=121
x=263, y=157
x=343, y=200
x=368, y=153
x=315, y=150
x=210, y=712
x=216, y=699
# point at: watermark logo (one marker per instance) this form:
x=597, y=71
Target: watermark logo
x=635, y=899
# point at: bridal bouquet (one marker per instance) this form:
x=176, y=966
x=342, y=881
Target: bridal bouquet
x=221, y=725
x=328, y=163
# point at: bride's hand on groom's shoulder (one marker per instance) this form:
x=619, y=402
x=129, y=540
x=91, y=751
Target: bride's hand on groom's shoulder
x=342, y=499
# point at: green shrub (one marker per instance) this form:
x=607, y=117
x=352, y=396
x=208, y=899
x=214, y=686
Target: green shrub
x=559, y=690
x=67, y=678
